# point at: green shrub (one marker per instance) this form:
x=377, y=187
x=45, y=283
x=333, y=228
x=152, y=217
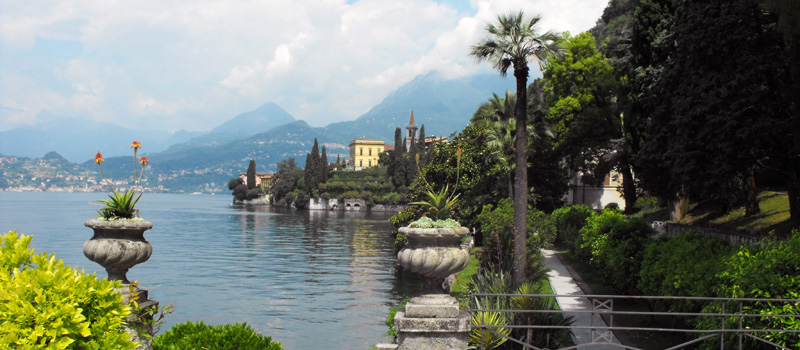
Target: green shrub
x=399, y=220
x=615, y=245
x=497, y=224
x=769, y=270
x=686, y=265
x=253, y=193
x=47, y=305
x=199, y=336
x=569, y=221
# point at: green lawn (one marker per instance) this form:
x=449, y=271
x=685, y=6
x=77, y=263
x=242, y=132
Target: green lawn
x=465, y=276
x=774, y=215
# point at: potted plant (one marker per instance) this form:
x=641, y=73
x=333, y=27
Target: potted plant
x=434, y=252
x=118, y=242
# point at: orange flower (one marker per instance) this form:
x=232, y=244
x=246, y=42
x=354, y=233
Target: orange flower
x=144, y=161
x=98, y=158
x=136, y=145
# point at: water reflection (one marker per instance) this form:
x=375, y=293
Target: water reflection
x=304, y=277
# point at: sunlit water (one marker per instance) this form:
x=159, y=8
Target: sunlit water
x=306, y=278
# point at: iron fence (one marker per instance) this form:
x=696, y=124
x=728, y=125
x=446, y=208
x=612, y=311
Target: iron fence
x=733, y=323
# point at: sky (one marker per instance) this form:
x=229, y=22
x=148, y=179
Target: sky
x=193, y=64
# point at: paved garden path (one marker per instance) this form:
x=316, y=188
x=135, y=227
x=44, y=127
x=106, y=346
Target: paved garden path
x=564, y=284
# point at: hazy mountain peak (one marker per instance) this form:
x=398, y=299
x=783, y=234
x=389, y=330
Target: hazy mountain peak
x=261, y=119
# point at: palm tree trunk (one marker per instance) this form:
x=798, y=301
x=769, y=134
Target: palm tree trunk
x=520, y=176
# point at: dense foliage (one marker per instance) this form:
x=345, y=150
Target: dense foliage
x=199, y=336
x=481, y=179
x=615, y=245
x=628, y=259
x=769, y=270
x=495, y=223
x=569, y=220
x=686, y=265
x=45, y=304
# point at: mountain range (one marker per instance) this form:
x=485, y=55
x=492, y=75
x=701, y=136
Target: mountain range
x=205, y=161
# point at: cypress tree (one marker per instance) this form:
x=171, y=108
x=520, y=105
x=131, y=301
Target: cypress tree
x=421, y=146
x=399, y=174
x=251, y=175
x=323, y=164
x=312, y=173
x=421, y=140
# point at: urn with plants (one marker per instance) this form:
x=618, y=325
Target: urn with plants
x=434, y=252
x=118, y=242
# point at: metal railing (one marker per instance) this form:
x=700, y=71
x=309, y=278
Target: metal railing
x=600, y=326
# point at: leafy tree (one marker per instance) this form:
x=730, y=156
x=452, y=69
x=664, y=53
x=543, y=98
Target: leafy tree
x=714, y=117
x=236, y=181
x=240, y=192
x=481, y=179
x=514, y=41
x=251, y=175
x=788, y=12
x=286, y=180
x=584, y=114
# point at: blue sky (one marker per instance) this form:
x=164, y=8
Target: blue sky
x=192, y=64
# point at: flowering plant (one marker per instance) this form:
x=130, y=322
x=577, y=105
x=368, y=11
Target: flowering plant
x=440, y=205
x=121, y=205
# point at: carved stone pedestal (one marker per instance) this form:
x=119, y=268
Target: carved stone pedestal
x=140, y=322
x=432, y=319
x=429, y=333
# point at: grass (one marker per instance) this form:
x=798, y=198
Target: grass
x=774, y=215
x=465, y=276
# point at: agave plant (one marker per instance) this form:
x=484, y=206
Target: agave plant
x=122, y=204
x=490, y=337
x=439, y=205
x=496, y=282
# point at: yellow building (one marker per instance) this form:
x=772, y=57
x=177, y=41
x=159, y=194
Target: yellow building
x=364, y=153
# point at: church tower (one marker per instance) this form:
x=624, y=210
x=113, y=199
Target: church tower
x=411, y=132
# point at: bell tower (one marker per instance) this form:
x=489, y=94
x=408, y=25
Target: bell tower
x=411, y=132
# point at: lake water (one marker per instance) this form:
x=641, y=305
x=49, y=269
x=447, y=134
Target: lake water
x=305, y=278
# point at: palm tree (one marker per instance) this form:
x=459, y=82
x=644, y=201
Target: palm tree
x=514, y=41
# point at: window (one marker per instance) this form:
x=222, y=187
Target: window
x=370, y=151
x=360, y=163
x=361, y=151
x=370, y=163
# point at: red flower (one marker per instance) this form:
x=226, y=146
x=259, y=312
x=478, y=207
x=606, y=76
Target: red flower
x=136, y=145
x=98, y=158
x=144, y=161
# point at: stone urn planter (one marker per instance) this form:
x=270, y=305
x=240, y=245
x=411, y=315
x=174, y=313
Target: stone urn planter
x=431, y=319
x=434, y=254
x=118, y=246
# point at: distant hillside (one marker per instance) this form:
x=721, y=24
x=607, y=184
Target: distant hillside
x=78, y=139
x=444, y=106
x=259, y=120
x=268, y=135
x=42, y=173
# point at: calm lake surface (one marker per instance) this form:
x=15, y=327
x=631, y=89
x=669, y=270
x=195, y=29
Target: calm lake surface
x=305, y=278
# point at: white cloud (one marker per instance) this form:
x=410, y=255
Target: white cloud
x=194, y=64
